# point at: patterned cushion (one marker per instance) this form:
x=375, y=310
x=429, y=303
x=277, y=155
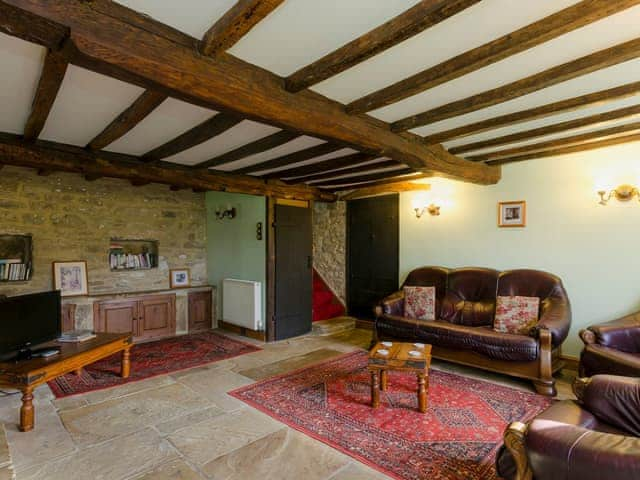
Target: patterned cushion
x=516, y=314
x=420, y=303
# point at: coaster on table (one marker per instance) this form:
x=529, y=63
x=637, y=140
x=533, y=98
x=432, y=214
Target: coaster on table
x=387, y=344
x=415, y=353
x=419, y=345
x=382, y=351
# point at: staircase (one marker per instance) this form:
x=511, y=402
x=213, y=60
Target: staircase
x=325, y=304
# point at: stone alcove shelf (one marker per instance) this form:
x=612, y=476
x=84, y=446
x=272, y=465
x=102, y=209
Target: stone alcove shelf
x=15, y=257
x=132, y=254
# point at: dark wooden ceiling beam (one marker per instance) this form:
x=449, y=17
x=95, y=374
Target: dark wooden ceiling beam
x=557, y=143
x=235, y=24
x=258, y=146
x=331, y=164
x=14, y=150
x=207, y=130
x=291, y=158
x=418, y=18
x=547, y=78
x=128, y=119
x=348, y=171
x=548, y=28
x=32, y=28
x=129, y=49
x=386, y=181
x=365, y=178
x=583, y=147
x=543, y=111
x=590, y=121
x=395, y=187
x=50, y=82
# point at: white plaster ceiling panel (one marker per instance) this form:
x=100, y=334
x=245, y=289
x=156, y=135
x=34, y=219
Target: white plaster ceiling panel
x=566, y=134
x=474, y=26
x=295, y=145
x=20, y=67
x=348, y=177
x=551, y=120
x=245, y=132
x=359, y=164
x=339, y=153
x=172, y=118
x=301, y=31
x=617, y=75
x=194, y=17
x=597, y=36
x=86, y=103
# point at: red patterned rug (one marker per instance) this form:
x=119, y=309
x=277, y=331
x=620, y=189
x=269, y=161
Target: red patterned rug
x=152, y=359
x=456, y=439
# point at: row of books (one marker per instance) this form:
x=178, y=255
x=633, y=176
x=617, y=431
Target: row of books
x=122, y=261
x=14, y=270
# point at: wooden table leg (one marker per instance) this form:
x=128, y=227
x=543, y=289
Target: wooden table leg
x=422, y=393
x=27, y=413
x=383, y=380
x=126, y=363
x=375, y=389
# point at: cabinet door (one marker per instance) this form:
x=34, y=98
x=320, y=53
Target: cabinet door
x=116, y=316
x=199, y=311
x=157, y=316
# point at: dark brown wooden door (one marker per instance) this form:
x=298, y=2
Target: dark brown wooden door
x=293, y=273
x=372, y=252
x=199, y=311
x=116, y=316
x=157, y=316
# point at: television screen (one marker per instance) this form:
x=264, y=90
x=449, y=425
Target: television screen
x=28, y=320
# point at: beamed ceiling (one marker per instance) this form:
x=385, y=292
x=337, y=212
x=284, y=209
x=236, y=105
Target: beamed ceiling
x=303, y=98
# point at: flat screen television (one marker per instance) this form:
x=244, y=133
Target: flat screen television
x=29, y=320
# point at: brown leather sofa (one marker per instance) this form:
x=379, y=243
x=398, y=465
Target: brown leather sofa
x=612, y=347
x=465, y=309
x=595, y=438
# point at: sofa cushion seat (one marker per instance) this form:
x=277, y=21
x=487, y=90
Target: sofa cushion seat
x=483, y=340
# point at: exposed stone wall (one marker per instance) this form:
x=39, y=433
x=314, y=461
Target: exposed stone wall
x=73, y=219
x=329, y=244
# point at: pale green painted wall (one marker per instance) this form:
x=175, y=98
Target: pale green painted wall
x=594, y=249
x=233, y=251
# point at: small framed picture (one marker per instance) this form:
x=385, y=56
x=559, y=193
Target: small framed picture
x=71, y=278
x=180, y=278
x=512, y=214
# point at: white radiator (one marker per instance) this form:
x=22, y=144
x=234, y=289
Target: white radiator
x=242, y=303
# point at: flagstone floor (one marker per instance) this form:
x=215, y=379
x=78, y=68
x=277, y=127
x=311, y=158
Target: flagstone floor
x=184, y=426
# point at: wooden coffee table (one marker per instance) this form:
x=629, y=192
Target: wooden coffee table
x=28, y=374
x=399, y=359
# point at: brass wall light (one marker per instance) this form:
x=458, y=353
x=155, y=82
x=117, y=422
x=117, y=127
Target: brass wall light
x=623, y=193
x=432, y=209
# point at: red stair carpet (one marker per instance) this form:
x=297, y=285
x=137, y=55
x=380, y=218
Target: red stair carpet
x=456, y=439
x=152, y=359
x=325, y=304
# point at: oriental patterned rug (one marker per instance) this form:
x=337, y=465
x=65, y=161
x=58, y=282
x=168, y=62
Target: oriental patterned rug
x=456, y=439
x=152, y=359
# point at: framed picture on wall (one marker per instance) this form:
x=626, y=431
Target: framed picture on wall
x=71, y=278
x=180, y=278
x=512, y=214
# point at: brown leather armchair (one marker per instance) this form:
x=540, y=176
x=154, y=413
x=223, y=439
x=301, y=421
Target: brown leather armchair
x=612, y=348
x=596, y=437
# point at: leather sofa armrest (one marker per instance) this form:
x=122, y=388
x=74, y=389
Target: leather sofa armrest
x=622, y=333
x=391, y=305
x=556, y=318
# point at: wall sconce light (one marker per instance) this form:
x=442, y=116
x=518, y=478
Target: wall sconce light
x=623, y=193
x=432, y=209
x=229, y=213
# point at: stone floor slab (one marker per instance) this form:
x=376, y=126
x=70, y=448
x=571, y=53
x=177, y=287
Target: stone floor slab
x=358, y=471
x=175, y=470
x=290, y=364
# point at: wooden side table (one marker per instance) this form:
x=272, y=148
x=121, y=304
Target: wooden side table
x=27, y=375
x=399, y=359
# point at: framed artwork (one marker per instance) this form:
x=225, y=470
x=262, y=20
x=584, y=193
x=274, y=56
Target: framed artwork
x=70, y=278
x=180, y=278
x=512, y=214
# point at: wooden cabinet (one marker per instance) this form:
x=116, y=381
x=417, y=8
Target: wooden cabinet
x=151, y=316
x=200, y=311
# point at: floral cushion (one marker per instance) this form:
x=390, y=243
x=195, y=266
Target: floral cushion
x=516, y=314
x=420, y=303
